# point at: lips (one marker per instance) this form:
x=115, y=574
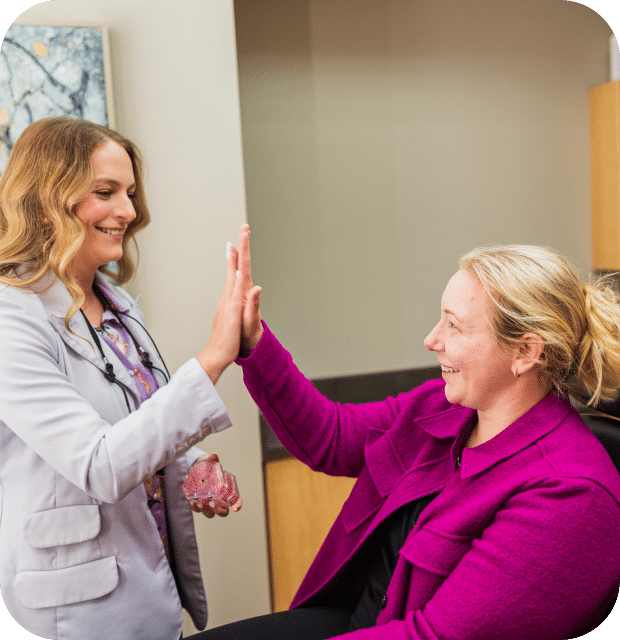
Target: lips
x=111, y=232
x=446, y=369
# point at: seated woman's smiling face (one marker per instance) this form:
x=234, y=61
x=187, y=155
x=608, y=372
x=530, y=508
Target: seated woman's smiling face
x=477, y=370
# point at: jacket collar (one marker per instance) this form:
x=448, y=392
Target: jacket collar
x=457, y=421
x=56, y=300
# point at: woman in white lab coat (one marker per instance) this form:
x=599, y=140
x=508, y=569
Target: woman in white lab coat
x=96, y=536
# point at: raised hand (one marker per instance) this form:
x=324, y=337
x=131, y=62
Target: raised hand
x=237, y=311
x=251, y=327
x=225, y=340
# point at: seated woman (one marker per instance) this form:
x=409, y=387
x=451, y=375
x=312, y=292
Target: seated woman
x=484, y=507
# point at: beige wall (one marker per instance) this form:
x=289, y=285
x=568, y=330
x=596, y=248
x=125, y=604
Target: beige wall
x=384, y=139
x=175, y=91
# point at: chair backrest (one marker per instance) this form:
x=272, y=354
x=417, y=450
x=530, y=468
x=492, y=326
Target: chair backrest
x=607, y=430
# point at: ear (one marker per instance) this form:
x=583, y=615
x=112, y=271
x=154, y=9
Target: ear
x=528, y=352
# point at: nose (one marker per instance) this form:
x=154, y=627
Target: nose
x=433, y=340
x=126, y=209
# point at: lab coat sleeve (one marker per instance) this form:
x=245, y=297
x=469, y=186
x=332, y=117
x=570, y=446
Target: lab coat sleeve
x=41, y=404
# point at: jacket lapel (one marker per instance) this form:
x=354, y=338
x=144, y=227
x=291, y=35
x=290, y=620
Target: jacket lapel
x=539, y=421
x=56, y=300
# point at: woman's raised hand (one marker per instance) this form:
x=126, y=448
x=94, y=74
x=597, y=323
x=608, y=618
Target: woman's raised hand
x=237, y=307
x=251, y=325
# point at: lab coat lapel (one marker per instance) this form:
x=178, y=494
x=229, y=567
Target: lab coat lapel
x=56, y=300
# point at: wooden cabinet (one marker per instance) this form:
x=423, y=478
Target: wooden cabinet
x=302, y=505
x=605, y=175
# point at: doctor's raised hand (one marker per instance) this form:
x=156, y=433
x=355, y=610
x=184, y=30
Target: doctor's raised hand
x=238, y=304
x=96, y=435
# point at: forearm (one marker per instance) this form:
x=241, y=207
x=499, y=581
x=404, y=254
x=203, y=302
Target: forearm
x=325, y=435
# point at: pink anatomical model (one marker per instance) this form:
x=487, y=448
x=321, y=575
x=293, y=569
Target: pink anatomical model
x=207, y=481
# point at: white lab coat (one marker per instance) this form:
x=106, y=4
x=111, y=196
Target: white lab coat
x=80, y=554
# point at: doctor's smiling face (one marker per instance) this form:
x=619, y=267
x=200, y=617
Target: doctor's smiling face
x=108, y=208
x=476, y=369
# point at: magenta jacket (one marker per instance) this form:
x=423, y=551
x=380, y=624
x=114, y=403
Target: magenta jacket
x=523, y=542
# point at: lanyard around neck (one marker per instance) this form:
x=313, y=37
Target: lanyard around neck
x=109, y=374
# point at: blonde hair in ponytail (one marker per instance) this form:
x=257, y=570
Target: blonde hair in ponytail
x=535, y=289
x=48, y=173
x=598, y=352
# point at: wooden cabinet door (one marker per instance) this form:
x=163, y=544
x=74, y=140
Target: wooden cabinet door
x=302, y=505
x=605, y=175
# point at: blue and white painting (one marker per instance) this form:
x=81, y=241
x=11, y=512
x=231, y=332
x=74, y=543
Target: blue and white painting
x=50, y=71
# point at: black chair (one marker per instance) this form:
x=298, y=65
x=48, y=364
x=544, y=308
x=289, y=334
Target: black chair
x=607, y=430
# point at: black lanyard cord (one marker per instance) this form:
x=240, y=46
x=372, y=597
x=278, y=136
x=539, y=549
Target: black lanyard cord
x=109, y=374
x=167, y=373
x=144, y=356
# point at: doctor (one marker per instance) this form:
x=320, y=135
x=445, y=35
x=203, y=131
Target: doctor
x=96, y=536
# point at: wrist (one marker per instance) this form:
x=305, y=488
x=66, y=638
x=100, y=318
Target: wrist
x=212, y=366
x=249, y=343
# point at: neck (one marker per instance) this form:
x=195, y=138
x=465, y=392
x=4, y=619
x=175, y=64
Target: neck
x=495, y=419
x=84, y=278
x=91, y=306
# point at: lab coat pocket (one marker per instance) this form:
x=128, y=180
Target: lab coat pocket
x=435, y=551
x=40, y=589
x=62, y=526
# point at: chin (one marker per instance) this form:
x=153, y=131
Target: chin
x=450, y=397
x=454, y=398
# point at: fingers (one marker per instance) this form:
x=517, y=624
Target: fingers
x=244, y=263
x=232, y=259
x=212, y=509
x=252, y=329
x=215, y=508
x=253, y=303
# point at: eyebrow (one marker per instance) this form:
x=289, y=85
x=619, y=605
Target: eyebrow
x=456, y=317
x=114, y=183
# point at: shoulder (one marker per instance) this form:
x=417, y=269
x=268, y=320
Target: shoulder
x=25, y=324
x=575, y=457
x=20, y=300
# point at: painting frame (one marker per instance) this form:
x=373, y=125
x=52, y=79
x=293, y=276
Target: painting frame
x=52, y=70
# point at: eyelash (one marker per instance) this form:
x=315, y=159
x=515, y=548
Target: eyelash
x=107, y=193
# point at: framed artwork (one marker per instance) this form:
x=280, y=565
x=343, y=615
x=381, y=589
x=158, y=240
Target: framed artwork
x=50, y=71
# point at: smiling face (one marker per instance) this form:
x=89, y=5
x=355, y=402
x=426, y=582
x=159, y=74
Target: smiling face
x=477, y=371
x=106, y=211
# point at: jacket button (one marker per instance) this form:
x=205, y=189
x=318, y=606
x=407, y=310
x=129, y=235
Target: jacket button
x=383, y=602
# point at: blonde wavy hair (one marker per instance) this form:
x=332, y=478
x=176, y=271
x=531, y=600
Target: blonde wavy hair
x=48, y=173
x=535, y=289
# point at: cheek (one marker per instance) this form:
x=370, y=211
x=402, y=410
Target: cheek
x=467, y=356
x=88, y=212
